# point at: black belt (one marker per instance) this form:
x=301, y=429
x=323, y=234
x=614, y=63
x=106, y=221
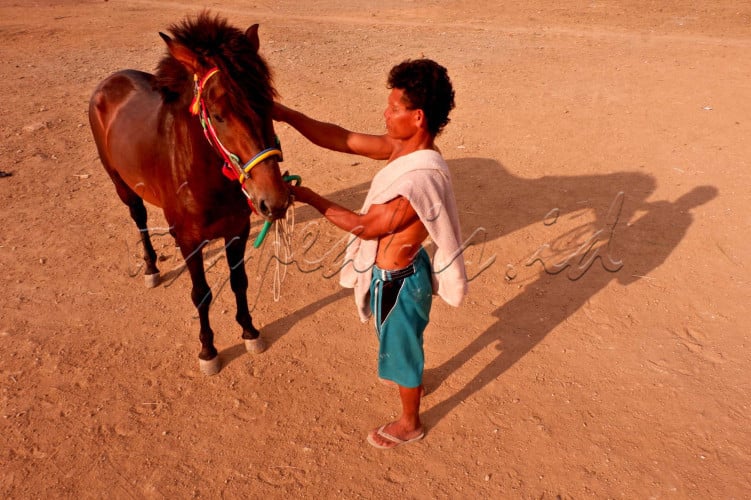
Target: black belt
x=396, y=274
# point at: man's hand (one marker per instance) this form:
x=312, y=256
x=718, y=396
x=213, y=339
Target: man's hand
x=301, y=193
x=278, y=111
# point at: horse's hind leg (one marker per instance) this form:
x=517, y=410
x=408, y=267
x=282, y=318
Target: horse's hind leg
x=235, y=249
x=151, y=273
x=139, y=215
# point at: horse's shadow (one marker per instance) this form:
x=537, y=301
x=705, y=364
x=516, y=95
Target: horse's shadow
x=272, y=332
x=633, y=238
x=276, y=329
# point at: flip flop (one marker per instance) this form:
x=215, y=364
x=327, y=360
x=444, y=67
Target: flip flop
x=394, y=441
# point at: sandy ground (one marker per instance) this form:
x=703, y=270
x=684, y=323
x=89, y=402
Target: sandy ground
x=600, y=152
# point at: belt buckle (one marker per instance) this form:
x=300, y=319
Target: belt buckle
x=387, y=275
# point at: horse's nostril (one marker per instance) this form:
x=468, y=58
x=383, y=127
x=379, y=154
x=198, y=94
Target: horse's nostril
x=264, y=207
x=271, y=209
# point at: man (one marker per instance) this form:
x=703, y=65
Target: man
x=409, y=199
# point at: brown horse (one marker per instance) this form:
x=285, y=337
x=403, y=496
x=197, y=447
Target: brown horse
x=151, y=132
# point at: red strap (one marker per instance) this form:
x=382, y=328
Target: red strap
x=229, y=172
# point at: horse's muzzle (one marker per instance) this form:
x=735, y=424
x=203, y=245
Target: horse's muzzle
x=274, y=207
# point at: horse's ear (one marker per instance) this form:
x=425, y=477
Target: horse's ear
x=182, y=53
x=252, y=35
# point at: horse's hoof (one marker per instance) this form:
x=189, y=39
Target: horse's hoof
x=211, y=366
x=255, y=346
x=152, y=280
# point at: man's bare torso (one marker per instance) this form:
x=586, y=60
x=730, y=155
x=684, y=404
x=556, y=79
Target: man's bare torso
x=397, y=250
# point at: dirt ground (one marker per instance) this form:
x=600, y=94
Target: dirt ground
x=600, y=153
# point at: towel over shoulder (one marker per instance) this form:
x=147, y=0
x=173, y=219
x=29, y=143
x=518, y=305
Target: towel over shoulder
x=423, y=178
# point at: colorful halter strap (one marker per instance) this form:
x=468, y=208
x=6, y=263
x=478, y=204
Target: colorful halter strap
x=231, y=168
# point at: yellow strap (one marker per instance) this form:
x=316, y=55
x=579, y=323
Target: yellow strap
x=261, y=157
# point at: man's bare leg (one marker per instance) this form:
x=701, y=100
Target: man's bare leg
x=408, y=426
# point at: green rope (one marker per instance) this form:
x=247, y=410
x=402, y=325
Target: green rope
x=267, y=225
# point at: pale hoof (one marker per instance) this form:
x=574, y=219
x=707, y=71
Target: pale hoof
x=255, y=346
x=211, y=366
x=152, y=280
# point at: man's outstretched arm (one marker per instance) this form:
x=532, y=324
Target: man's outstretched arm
x=334, y=137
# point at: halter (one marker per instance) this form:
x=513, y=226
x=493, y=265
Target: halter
x=231, y=168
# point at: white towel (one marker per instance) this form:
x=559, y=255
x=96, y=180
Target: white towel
x=423, y=178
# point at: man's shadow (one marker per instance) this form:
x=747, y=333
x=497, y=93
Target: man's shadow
x=628, y=239
x=603, y=229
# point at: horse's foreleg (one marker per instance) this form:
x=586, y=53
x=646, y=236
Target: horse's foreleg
x=235, y=249
x=202, y=297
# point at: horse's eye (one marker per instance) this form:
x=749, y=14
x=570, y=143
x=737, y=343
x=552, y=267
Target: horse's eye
x=218, y=118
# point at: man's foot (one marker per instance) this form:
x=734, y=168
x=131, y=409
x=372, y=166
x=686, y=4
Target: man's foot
x=384, y=440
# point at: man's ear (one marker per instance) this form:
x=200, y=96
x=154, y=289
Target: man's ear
x=419, y=118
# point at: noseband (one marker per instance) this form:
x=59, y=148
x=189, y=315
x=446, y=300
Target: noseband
x=231, y=168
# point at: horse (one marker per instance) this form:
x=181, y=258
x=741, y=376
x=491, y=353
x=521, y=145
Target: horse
x=196, y=139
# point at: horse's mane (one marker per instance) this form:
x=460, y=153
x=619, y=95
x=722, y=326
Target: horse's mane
x=216, y=43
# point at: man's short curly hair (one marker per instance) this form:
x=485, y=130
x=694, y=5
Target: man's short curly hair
x=427, y=86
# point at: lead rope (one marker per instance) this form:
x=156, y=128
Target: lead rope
x=283, y=230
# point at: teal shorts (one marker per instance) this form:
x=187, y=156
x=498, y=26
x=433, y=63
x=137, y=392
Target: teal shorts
x=401, y=301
